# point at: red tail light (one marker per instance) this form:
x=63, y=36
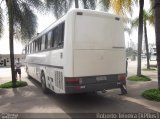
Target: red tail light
x=122, y=77
x=72, y=80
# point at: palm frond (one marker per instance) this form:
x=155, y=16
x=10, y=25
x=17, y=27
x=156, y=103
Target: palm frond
x=29, y=22
x=36, y=4
x=123, y=7
x=1, y=22
x=25, y=21
x=58, y=7
x=92, y=4
x=89, y=4
x=135, y=23
x=105, y=4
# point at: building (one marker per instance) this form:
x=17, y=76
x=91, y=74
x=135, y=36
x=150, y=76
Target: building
x=5, y=59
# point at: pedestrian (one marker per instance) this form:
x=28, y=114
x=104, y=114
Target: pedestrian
x=123, y=87
x=18, y=65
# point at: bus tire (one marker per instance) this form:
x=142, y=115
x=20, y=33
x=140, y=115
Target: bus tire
x=43, y=83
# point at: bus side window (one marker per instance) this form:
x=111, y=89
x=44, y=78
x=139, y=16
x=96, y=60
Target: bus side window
x=49, y=39
x=61, y=35
x=36, y=46
x=56, y=37
x=39, y=44
x=46, y=41
x=25, y=50
x=43, y=42
x=28, y=49
x=33, y=46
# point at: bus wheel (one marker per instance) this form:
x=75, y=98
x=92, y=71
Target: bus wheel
x=43, y=82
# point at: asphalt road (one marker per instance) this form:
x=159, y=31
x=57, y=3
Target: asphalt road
x=30, y=99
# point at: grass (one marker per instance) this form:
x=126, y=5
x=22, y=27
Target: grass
x=139, y=78
x=10, y=84
x=152, y=94
x=151, y=69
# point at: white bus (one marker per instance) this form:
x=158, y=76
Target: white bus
x=84, y=51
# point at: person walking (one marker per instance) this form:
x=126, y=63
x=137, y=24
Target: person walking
x=18, y=65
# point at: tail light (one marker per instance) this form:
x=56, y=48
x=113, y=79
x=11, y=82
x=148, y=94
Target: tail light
x=122, y=77
x=72, y=80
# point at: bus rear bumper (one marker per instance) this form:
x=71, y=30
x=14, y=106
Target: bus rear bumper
x=92, y=87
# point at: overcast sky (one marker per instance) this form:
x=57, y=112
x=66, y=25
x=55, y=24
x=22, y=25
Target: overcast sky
x=45, y=20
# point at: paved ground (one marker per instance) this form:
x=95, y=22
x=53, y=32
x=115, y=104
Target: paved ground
x=30, y=99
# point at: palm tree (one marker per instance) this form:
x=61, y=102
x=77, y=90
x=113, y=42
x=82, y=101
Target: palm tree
x=147, y=16
x=21, y=18
x=157, y=31
x=140, y=36
x=61, y=7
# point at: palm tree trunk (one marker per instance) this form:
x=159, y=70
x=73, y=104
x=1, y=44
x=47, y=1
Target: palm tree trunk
x=146, y=42
x=11, y=44
x=85, y=4
x=140, y=36
x=157, y=32
x=76, y=4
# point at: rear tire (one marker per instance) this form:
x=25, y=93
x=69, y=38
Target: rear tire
x=43, y=83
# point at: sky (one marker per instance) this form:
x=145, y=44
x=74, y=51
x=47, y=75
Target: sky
x=45, y=20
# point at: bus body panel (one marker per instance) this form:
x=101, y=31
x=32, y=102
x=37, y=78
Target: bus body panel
x=68, y=45
x=98, y=62
x=51, y=63
x=99, y=47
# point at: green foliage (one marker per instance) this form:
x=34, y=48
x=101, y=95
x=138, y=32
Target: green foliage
x=24, y=19
x=1, y=22
x=120, y=7
x=89, y=4
x=152, y=94
x=139, y=78
x=151, y=69
x=130, y=52
x=61, y=7
x=147, y=16
x=105, y=4
x=10, y=85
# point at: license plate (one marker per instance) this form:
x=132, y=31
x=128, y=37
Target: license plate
x=101, y=78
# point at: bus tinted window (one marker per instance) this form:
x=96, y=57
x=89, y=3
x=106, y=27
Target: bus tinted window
x=58, y=36
x=46, y=41
x=61, y=35
x=39, y=42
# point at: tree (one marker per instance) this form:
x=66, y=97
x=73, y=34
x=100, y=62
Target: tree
x=61, y=7
x=21, y=17
x=120, y=7
x=89, y=4
x=146, y=17
x=157, y=31
x=140, y=34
